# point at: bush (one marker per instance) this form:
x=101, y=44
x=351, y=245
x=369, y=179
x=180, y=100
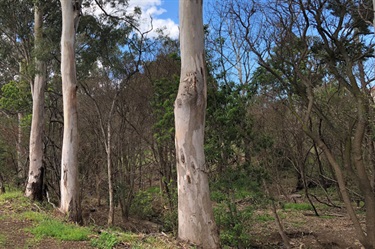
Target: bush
x=234, y=224
x=170, y=221
x=146, y=204
x=235, y=186
x=105, y=241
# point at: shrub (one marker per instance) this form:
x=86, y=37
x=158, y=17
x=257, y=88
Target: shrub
x=143, y=205
x=170, y=221
x=105, y=241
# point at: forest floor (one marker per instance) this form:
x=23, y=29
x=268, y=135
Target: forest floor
x=20, y=222
x=332, y=230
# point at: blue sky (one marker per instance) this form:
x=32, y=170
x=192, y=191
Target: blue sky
x=171, y=7
x=164, y=14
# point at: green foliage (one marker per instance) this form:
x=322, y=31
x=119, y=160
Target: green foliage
x=12, y=196
x=165, y=94
x=105, y=241
x=170, y=221
x=60, y=230
x=26, y=121
x=228, y=125
x=142, y=205
x=15, y=198
x=33, y=216
x=236, y=186
x=233, y=224
x=265, y=217
x=15, y=96
x=150, y=205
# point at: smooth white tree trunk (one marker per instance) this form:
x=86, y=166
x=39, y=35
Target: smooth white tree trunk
x=195, y=215
x=70, y=203
x=34, y=187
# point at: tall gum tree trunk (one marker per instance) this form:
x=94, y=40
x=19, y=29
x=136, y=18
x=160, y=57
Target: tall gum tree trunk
x=70, y=203
x=195, y=215
x=34, y=187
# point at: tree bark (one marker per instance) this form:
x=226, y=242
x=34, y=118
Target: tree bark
x=34, y=188
x=364, y=181
x=111, y=212
x=70, y=200
x=195, y=215
x=2, y=184
x=20, y=151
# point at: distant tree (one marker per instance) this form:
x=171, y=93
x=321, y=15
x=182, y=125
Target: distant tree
x=15, y=62
x=119, y=61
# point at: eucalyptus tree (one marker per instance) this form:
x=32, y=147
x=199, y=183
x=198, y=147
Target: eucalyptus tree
x=35, y=184
x=70, y=202
x=195, y=216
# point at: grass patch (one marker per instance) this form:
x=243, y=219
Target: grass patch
x=3, y=240
x=105, y=241
x=60, y=230
x=33, y=216
x=128, y=237
x=297, y=206
x=11, y=196
x=15, y=201
x=264, y=217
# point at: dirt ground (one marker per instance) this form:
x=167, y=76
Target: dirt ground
x=17, y=237
x=332, y=230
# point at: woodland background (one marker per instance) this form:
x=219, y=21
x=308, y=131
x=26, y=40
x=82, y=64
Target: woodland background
x=289, y=113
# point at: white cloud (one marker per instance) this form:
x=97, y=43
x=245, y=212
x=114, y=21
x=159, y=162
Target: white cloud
x=151, y=11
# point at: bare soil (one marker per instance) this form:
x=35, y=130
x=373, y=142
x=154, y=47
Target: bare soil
x=332, y=230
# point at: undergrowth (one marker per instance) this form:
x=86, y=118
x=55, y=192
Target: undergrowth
x=105, y=241
x=60, y=230
x=45, y=225
x=297, y=206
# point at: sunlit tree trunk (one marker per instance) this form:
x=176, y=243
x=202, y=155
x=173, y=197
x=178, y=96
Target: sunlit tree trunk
x=69, y=185
x=34, y=188
x=195, y=215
